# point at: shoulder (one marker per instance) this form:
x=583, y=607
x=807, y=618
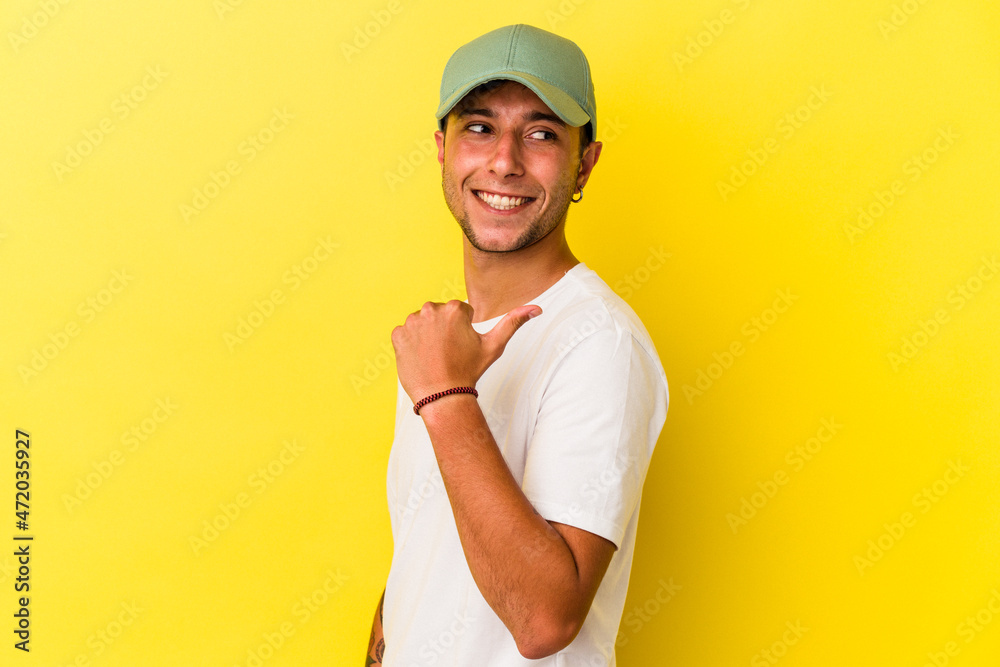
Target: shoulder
x=589, y=310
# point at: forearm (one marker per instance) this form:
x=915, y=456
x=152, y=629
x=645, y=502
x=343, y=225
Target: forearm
x=521, y=564
x=376, y=645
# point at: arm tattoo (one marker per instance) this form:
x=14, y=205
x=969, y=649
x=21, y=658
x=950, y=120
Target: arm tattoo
x=376, y=657
x=376, y=649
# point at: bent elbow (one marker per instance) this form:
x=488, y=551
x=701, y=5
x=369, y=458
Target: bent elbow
x=546, y=636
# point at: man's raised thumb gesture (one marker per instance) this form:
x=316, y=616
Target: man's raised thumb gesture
x=496, y=339
x=438, y=349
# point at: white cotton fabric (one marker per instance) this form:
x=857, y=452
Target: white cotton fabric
x=576, y=404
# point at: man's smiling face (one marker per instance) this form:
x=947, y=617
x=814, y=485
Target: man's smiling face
x=509, y=168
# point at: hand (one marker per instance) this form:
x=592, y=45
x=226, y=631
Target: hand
x=437, y=348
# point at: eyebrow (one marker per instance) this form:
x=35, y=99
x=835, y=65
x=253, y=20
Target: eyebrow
x=531, y=117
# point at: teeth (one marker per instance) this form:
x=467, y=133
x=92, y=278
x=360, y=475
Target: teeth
x=501, y=203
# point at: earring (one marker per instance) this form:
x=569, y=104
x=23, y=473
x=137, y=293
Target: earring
x=577, y=200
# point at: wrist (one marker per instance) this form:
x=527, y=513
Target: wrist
x=466, y=390
x=445, y=407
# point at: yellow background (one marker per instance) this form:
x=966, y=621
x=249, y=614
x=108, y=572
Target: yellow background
x=687, y=93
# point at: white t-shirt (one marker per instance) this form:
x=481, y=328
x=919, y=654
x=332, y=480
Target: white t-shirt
x=576, y=404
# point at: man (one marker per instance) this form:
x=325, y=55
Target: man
x=520, y=447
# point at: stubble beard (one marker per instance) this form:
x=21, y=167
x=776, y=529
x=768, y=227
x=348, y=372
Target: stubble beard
x=536, y=230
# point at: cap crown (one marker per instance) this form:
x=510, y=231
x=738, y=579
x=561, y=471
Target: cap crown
x=554, y=67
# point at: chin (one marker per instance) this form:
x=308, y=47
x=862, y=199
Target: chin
x=492, y=245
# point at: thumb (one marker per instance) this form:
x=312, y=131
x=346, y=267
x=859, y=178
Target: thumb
x=496, y=339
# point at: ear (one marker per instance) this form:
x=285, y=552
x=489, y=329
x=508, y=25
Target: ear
x=588, y=162
x=439, y=138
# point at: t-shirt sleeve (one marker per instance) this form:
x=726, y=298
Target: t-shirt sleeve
x=600, y=415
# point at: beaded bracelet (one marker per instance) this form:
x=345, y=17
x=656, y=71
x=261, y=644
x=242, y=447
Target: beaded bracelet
x=433, y=397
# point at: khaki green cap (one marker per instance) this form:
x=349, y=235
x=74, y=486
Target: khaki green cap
x=552, y=66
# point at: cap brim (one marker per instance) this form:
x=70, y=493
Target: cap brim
x=561, y=104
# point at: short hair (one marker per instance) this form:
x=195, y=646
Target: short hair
x=488, y=86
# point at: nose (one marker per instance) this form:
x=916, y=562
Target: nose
x=506, y=158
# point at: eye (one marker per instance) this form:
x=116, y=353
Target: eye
x=543, y=135
x=482, y=128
